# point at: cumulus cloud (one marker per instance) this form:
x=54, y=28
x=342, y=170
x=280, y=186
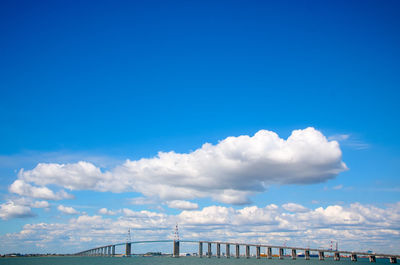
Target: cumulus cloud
x=67, y=210
x=10, y=210
x=30, y=202
x=228, y=172
x=182, y=205
x=22, y=188
x=356, y=226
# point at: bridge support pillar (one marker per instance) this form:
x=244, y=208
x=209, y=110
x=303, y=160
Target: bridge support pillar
x=228, y=251
x=247, y=251
x=237, y=251
x=321, y=255
x=281, y=253
x=218, y=250
x=393, y=260
x=200, y=249
x=176, y=249
x=307, y=254
x=294, y=255
x=209, y=250
x=269, y=253
x=258, y=252
x=372, y=259
x=128, y=249
x=353, y=257
x=113, y=250
x=336, y=256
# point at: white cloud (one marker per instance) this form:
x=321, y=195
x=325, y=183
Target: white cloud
x=22, y=188
x=356, y=227
x=67, y=210
x=40, y=204
x=349, y=140
x=182, y=205
x=339, y=137
x=105, y=211
x=30, y=202
x=338, y=187
x=228, y=172
x=294, y=207
x=143, y=201
x=10, y=210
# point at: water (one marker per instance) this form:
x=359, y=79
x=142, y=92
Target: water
x=177, y=261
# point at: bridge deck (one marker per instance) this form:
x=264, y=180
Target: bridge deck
x=252, y=245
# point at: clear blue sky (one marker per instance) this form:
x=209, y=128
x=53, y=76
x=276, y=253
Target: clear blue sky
x=105, y=81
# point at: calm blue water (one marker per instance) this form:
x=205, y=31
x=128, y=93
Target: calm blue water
x=176, y=261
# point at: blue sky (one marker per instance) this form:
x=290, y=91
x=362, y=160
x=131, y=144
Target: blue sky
x=103, y=82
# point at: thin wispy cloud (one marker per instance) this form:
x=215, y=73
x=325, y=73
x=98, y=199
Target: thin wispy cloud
x=350, y=141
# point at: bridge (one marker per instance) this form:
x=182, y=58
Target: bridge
x=109, y=250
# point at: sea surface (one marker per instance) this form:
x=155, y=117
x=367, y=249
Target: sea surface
x=178, y=261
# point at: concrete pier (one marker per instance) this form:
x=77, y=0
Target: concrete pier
x=218, y=250
x=372, y=259
x=176, y=249
x=321, y=255
x=269, y=253
x=307, y=254
x=247, y=251
x=353, y=257
x=294, y=254
x=258, y=252
x=228, y=251
x=281, y=253
x=113, y=250
x=393, y=260
x=200, y=249
x=336, y=256
x=128, y=249
x=237, y=251
x=209, y=250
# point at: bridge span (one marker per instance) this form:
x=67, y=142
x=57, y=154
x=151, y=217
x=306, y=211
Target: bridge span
x=109, y=250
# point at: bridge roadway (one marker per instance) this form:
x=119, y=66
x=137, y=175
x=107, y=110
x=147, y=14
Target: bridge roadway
x=109, y=250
